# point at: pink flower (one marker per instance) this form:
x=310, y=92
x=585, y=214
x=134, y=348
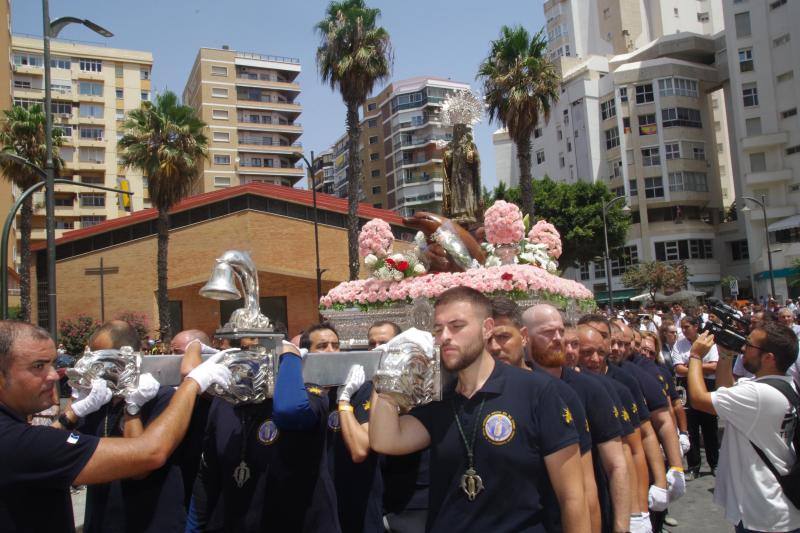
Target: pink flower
x=375, y=238
x=503, y=223
x=545, y=233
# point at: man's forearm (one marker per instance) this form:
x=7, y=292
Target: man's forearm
x=652, y=452
x=668, y=436
x=355, y=435
x=384, y=424
x=590, y=492
x=709, y=368
x=680, y=416
x=168, y=429
x=724, y=376
x=699, y=398
x=612, y=455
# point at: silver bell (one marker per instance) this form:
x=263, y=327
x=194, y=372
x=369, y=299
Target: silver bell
x=221, y=285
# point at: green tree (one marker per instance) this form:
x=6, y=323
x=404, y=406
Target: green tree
x=354, y=54
x=23, y=133
x=575, y=209
x=656, y=276
x=164, y=140
x=520, y=84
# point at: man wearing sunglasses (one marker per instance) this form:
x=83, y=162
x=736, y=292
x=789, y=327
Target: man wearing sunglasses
x=754, y=414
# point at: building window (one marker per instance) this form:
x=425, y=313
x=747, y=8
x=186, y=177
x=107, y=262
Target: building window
x=776, y=4
x=372, y=106
x=120, y=114
x=599, y=269
x=91, y=220
x=120, y=94
x=612, y=138
x=90, y=65
x=626, y=257
x=633, y=188
x=681, y=116
x=742, y=23
x=219, y=114
x=373, y=139
x=672, y=151
x=699, y=152
x=739, y=250
x=376, y=189
x=793, y=150
x=561, y=161
x=28, y=60
x=654, y=187
x=372, y=123
x=374, y=156
x=222, y=181
x=786, y=76
x=92, y=199
x=145, y=96
x=616, y=168
x=750, y=94
x=119, y=71
x=219, y=92
x=88, y=88
x=753, y=126
x=758, y=162
x=647, y=124
x=585, y=271
x=375, y=173
x=608, y=109
x=623, y=94
x=91, y=111
x=688, y=181
x=222, y=159
x=644, y=93
x=222, y=136
x=678, y=87
x=745, y=59
x=651, y=157
x=90, y=133
x=789, y=113
x=540, y=157
x=684, y=249
x=559, y=134
x=702, y=17
x=219, y=71
x=144, y=73
x=63, y=63
x=780, y=41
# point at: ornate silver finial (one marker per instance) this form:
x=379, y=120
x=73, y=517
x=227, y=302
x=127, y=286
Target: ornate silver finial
x=221, y=286
x=461, y=107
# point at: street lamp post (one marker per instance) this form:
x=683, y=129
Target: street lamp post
x=606, y=206
x=763, y=204
x=312, y=184
x=51, y=30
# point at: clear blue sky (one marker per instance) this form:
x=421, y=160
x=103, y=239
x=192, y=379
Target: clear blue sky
x=445, y=38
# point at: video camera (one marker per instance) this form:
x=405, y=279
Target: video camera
x=730, y=331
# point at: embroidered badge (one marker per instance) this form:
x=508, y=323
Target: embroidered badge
x=625, y=416
x=616, y=412
x=587, y=425
x=333, y=421
x=566, y=414
x=498, y=427
x=73, y=438
x=267, y=432
x=634, y=408
x=315, y=390
x=366, y=405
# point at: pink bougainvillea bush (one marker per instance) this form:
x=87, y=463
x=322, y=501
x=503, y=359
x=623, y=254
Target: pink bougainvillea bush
x=375, y=238
x=503, y=223
x=545, y=233
x=517, y=280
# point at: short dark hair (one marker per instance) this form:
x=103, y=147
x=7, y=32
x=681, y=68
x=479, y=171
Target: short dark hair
x=305, y=338
x=594, y=317
x=782, y=342
x=695, y=321
x=380, y=323
x=504, y=307
x=10, y=332
x=121, y=334
x=475, y=298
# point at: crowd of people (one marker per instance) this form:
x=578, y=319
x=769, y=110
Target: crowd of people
x=549, y=426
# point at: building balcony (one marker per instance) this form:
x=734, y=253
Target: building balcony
x=99, y=121
x=271, y=171
x=272, y=106
x=90, y=75
x=92, y=98
x=765, y=141
x=265, y=81
x=769, y=176
x=98, y=143
x=28, y=69
x=261, y=146
x=419, y=199
x=95, y=164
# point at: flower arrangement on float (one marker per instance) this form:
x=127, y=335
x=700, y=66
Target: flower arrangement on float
x=517, y=266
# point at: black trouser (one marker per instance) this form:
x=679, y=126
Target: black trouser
x=707, y=423
x=407, y=521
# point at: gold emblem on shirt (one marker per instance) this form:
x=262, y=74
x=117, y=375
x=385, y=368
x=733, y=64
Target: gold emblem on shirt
x=366, y=405
x=616, y=412
x=315, y=390
x=625, y=416
x=566, y=414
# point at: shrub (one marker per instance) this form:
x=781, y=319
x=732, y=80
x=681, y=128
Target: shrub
x=74, y=333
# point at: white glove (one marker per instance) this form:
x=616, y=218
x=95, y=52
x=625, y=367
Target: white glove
x=204, y=348
x=683, y=438
x=657, y=498
x=97, y=398
x=676, y=484
x=355, y=378
x=421, y=338
x=640, y=523
x=212, y=371
x=144, y=392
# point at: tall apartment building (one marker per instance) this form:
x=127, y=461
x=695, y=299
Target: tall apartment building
x=759, y=68
x=93, y=88
x=401, y=161
x=323, y=172
x=249, y=102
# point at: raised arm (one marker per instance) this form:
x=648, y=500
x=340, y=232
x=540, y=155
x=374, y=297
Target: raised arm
x=392, y=434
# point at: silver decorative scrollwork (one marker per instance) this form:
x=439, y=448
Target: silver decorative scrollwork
x=408, y=375
x=253, y=374
x=119, y=368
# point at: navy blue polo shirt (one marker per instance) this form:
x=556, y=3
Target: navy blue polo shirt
x=622, y=400
x=652, y=390
x=39, y=465
x=406, y=480
x=522, y=421
x=669, y=380
x=604, y=424
x=289, y=488
x=359, y=490
x=637, y=406
x=656, y=371
x=154, y=503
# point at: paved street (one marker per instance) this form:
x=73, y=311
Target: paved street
x=696, y=512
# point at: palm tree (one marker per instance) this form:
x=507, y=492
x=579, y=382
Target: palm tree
x=23, y=133
x=353, y=56
x=520, y=84
x=164, y=140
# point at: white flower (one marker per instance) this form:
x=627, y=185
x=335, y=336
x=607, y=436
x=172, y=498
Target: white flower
x=371, y=260
x=493, y=261
x=398, y=276
x=384, y=273
x=527, y=257
x=419, y=239
x=419, y=268
x=398, y=257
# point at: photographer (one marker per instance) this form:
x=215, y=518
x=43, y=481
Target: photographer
x=755, y=414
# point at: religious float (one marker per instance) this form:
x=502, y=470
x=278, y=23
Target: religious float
x=497, y=252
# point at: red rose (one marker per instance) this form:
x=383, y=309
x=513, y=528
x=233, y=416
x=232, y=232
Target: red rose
x=402, y=266
x=390, y=262
x=507, y=276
